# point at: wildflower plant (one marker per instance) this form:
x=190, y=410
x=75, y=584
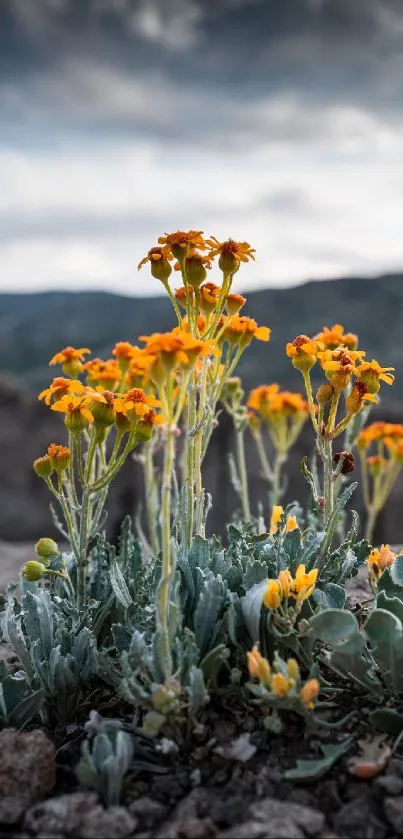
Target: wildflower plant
x=380, y=447
x=169, y=616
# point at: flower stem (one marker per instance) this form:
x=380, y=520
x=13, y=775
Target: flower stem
x=309, y=394
x=276, y=493
x=328, y=478
x=242, y=471
x=151, y=496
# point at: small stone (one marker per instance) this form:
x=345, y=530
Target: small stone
x=393, y=810
x=114, y=823
x=277, y=828
x=61, y=814
x=27, y=772
x=196, y=829
x=389, y=784
x=353, y=817
x=147, y=812
x=310, y=820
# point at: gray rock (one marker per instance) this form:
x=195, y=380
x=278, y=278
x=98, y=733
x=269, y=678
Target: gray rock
x=81, y=815
x=277, y=828
x=27, y=772
x=393, y=810
x=267, y=809
x=356, y=819
x=147, y=812
x=389, y=784
x=57, y=815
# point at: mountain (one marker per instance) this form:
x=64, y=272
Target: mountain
x=35, y=326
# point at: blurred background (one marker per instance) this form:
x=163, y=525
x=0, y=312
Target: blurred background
x=275, y=121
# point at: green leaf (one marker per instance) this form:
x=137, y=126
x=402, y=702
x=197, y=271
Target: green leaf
x=390, y=604
x=119, y=586
x=251, y=610
x=256, y=572
x=207, y=611
x=388, y=720
x=312, y=770
x=396, y=571
x=338, y=628
x=336, y=595
x=386, y=584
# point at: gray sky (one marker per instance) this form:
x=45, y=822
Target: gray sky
x=275, y=121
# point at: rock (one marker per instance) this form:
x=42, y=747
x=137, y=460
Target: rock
x=281, y=828
x=147, y=812
x=79, y=814
x=267, y=809
x=196, y=829
x=389, y=784
x=27, y=772
x=352, y=818
x=393, y=810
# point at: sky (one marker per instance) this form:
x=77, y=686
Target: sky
x=279, y=122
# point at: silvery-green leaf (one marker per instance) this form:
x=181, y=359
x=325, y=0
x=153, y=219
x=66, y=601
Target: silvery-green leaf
x=207, y=612
x=251, y=610
x=119, y=586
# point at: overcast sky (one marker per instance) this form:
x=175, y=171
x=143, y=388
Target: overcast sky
x=275, y=121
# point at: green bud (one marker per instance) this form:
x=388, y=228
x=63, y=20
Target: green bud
x=34, y=571
x=46, y=548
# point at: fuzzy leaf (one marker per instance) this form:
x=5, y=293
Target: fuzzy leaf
x=198, y=695
x=207, y=612
x=390, y=604
x=251, y=610
x=337, y=628
x=396, y=571
x=256, y=572
x=388, y=720
x=118, y=584
x=386, y=584
x=312, y=770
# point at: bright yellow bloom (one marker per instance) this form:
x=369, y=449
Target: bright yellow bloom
x=372, y=374
x=292, y=524
x=259, y=667
x=60, y=387
x=273, y=595
x=271, y=403
x=277, y=513
x=286, y=582
x=280, y=685
x=182, y=243
x=309, y=692
x=136, y=403
x=302, y=351
x=335, y=336
x=378, y=560
x=304, y=583
x=339, y=366
x=76, y=409
x=71, y=359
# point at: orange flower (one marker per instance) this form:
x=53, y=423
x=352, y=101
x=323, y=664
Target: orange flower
x=372, y=374
x=231, y=253
x=105, y=373
x=309, y=692
x=182, y=295
x=76, y=409
x=136, y=403
x=376, y=464
x=302, y=352
x=71, y=359
x=123, y=349
x=175, y=349
x=241, y=329
x=378, y=560
x=336, y=337
x=234, y=303
x=209, y=297
x=59, y=456
x=339, y=366
x=358, y=395
x=60, y=387
x=183, y=242
x=159, y=261
x=258, y=666
x=270, y=402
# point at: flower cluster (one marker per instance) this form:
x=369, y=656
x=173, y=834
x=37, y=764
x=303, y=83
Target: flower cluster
x=285, y=587
x=378, y=560
x=380, y=446
x=283, y=680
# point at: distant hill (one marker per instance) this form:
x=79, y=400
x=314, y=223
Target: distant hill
x=34, y=326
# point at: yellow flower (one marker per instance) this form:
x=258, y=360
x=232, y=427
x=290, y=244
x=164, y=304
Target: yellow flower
x=304, y=583
x=378, y=560
x=182, y=243
x=259, y=667
x=293, y=670
x=276, y=514
x=76, y=409
x=273, y=594
x=358, y=395
x=136, y=403
x=302, y=351
x=60, y=387
x=241, y=329
x=230, y=253
x=309, y=692
x=292, y=524
x=286, y=583
x=335, y=336
x=71, y=359
x=339, y=366
x=372, y=374
x=280, y=685
x=209, y=297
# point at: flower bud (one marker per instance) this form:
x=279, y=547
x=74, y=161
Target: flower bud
x=60, y=457
x=309, y=692
x=272, y=595
x=356, y=397
x=234, y=303
x=72, y=367
x=34, y=571
x=195, y=270
x=103, y=412
x=293, y=670
x=324, y=394
x=161, y=270
x=43, y=466
x=46, y=548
